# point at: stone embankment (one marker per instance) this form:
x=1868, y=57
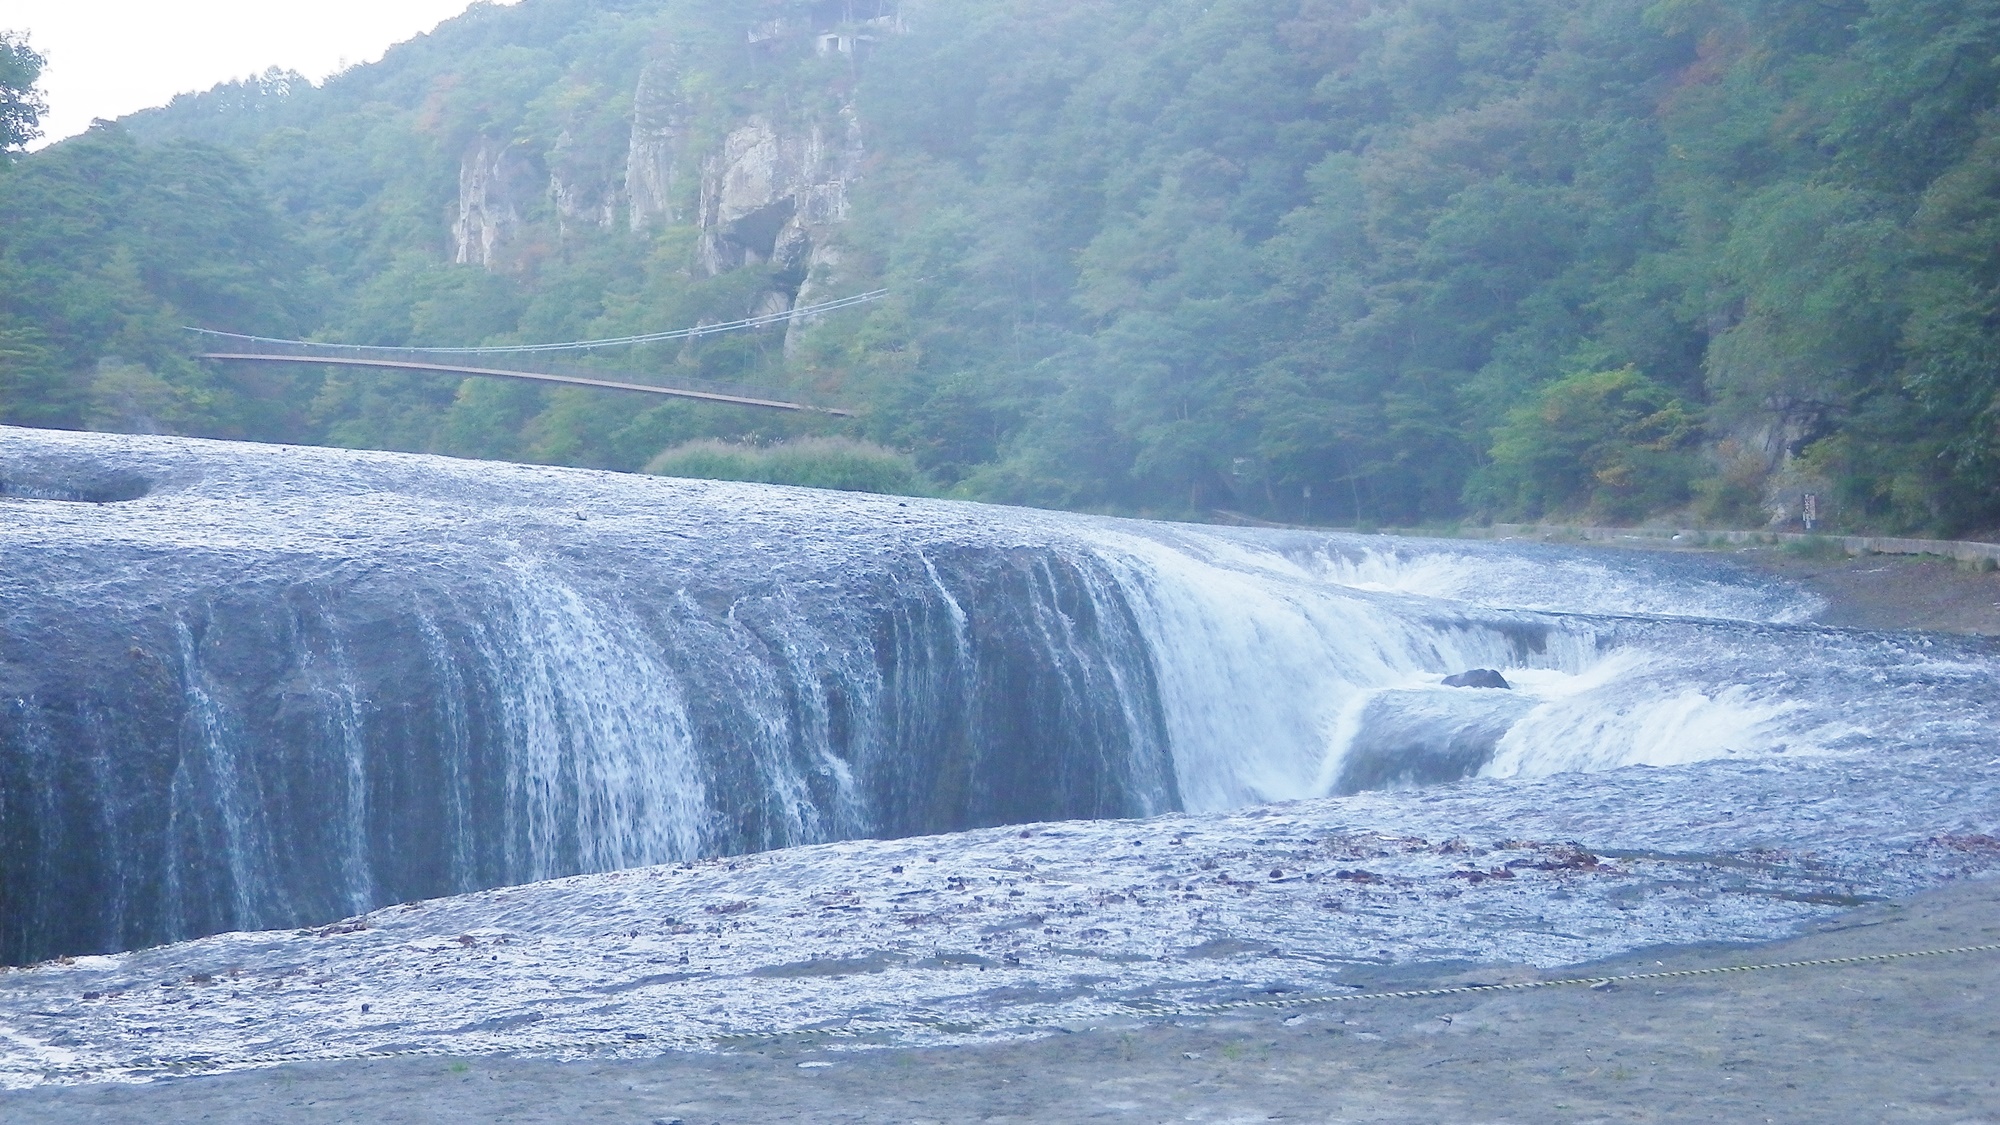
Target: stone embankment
x=1961, y=549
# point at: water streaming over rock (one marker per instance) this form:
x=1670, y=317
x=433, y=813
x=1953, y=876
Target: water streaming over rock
x=253, y=687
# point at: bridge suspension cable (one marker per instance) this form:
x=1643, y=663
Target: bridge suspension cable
x=696, y=332
x=689, y=388
x=238, y=347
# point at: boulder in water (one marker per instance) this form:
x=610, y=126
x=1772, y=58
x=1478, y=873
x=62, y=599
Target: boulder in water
x=1414, y=738
x=1479, y=677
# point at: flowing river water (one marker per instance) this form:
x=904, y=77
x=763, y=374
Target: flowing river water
x=249, y=688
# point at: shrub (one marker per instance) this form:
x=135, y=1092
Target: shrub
x=813, y=462
x=1818, y=547
x=1733, y=494
x=1610, y=444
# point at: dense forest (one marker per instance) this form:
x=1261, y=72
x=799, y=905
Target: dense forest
x=1335, y=261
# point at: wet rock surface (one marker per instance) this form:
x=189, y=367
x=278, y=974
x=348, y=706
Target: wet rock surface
x=974, y=937
x=287, y=692
x=1478, y=678
x=1907, y=1040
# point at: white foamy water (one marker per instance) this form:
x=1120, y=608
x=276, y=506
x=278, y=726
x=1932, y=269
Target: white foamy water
x=287, y=686
x=1269, y=656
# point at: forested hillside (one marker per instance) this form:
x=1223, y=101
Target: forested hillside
x=1343, y=261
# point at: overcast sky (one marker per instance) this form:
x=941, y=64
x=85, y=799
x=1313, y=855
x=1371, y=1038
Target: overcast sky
x=110, y=57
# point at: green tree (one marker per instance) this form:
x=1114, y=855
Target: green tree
x=21, y=104
x=1146, y=255
x=107, y=248
x=1600, y=444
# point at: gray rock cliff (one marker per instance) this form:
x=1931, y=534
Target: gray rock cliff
x=490, y=192
x=770, y=192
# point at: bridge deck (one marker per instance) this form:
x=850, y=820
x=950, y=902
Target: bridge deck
x=536, y=376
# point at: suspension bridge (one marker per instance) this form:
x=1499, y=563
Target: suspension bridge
x=527, y=362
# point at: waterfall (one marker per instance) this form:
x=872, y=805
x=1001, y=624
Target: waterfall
x=254, y=687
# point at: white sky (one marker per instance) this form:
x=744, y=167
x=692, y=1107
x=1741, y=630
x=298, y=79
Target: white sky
x=108, y=58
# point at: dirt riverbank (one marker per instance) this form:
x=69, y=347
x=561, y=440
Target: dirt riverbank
x=1890, y=591
x=1904, y=1040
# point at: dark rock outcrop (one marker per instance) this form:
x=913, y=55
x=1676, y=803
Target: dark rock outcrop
x=1415, y=738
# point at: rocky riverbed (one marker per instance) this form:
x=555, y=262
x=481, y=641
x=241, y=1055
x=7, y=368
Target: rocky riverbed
x=989, y=935
x=1903, y=1040
x=1779, y=770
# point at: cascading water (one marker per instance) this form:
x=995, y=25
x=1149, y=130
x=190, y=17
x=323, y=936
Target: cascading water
x=251, y=687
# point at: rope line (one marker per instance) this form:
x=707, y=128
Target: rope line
x=856, y=1030
x=1560, y=982
x=582, y=345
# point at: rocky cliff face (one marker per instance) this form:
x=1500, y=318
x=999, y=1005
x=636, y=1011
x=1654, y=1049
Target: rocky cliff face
x=490, y=194
x=774, y=195
x=653, y=156
x=582, y=190
x=770, y=191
